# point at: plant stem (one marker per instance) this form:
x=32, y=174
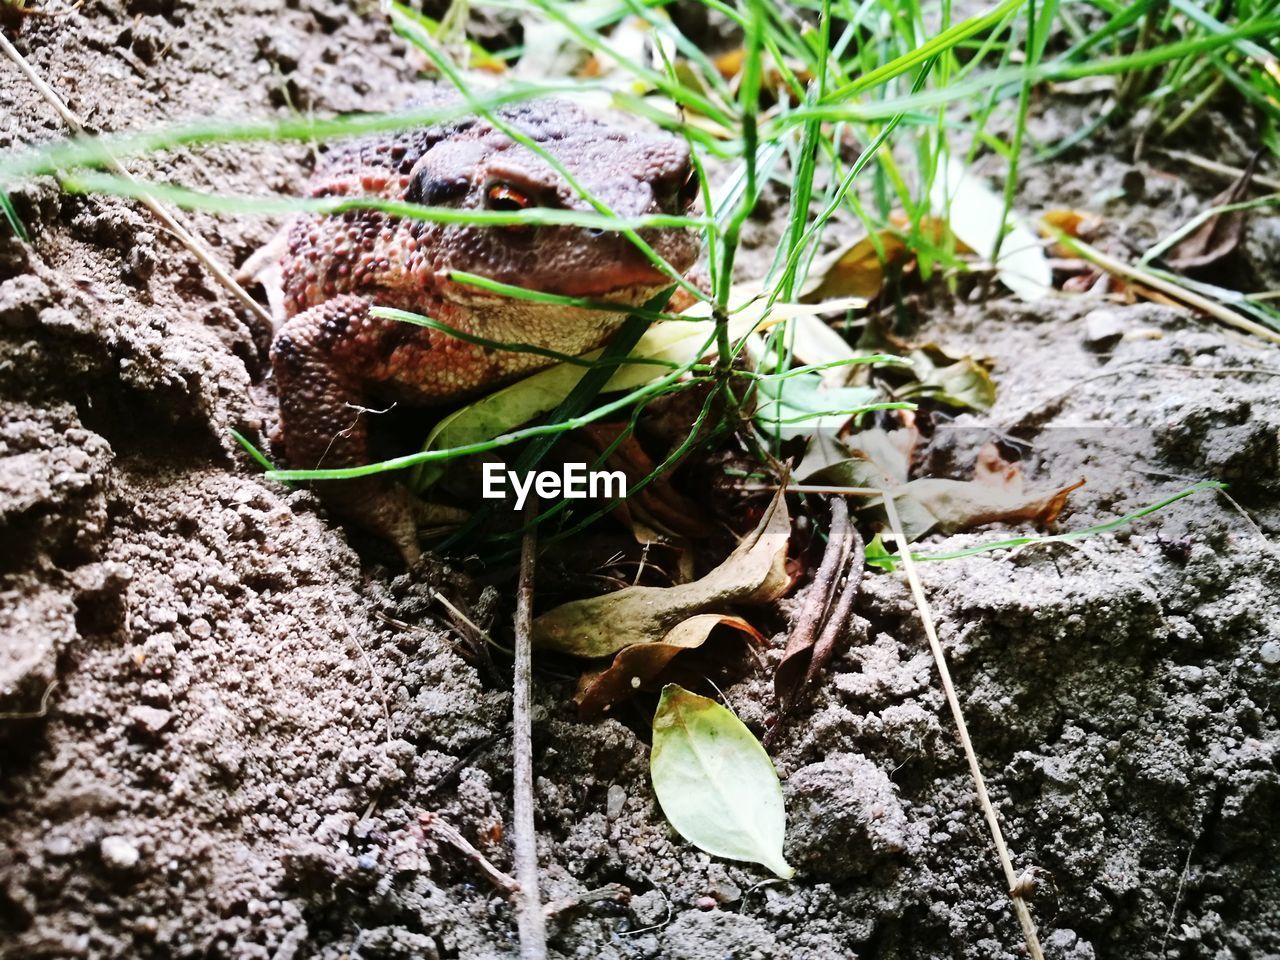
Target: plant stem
x=531, y=921
x=993, y=821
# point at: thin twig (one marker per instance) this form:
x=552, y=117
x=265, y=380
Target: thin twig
x=1189, y=297
x=993, y=821
x=840, y=614
x=444, y=831
x=180, y=232
x=615, y=892
x=531, y=920
x=1222, y=169
x=821, y=595
x=814, y=488
x=1177, y=901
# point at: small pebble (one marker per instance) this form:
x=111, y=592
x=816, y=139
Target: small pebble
x=149, y=719
x=1103, y=329
x=614, y=802
x=1270, y=652
x=162, y=616
x=1134, y=183
x=725, y=891
x=705, y=903
x=118, y=853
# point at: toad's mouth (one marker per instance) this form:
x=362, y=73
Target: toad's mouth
x=614, y=283
x=630, y=283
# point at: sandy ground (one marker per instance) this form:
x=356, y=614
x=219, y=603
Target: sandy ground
x=247, y=716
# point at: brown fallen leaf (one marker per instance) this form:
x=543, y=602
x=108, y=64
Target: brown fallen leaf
x=992, y=470
x=883, y=457
x=950, y=506
x=956, y=381
x=880, y=460
x=756, y=572
x=856, y=269
x=1079, y=224
x=1218, y=237
x=643, y=666
x=935, y=372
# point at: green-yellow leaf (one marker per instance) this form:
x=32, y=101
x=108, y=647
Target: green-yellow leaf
x=715, y=783
x=671, y=343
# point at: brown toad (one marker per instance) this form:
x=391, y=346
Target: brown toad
x=331, y=357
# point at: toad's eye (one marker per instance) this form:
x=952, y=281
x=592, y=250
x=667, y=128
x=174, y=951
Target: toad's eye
x=690, y=189
x=504, y=198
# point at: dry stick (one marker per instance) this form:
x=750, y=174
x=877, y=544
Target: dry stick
x=613, y=891
x=787, y=689
x=446, y=832
x=530, y=919
x=1213, y=166
x=926, y=617
x=821, y=594
x=843, y=609
x=184, y=236
x=814, y=488
x=1177, y=901
x=1189, y=297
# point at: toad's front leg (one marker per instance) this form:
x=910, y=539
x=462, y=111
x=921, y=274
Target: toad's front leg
x=324, y=360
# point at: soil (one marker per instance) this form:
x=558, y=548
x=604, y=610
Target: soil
x=222, y=721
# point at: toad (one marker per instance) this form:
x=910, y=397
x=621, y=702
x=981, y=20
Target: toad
x=332, y=359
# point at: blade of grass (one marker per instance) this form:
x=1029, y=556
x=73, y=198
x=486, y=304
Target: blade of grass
x=90, y=182
x=87, y=151
x=1070, y=536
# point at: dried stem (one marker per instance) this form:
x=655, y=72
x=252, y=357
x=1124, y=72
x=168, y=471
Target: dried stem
x=531, y=920
x=926, y=617
x=432, y=823
x=180, y=232
x=1190, y=297
x=818, y=601
x=840, y=614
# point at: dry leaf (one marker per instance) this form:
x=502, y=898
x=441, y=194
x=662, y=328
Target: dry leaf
x=854, y=270
x=644, y=665
x=881, y=459
x=976, y=214
x=813, y=341
x=993, y=470
x=956, y=505
x=1079, y=224
x=756, y=572
x=956, y=381
x=1219, y=237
